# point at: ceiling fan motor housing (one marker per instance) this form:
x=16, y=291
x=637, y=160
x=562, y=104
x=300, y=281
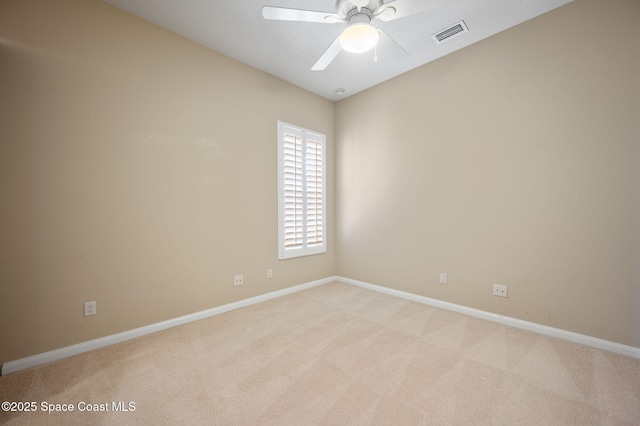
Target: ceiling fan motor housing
x=350, y=8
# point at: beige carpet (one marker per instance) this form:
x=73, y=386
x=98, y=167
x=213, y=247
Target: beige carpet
x=337, y=355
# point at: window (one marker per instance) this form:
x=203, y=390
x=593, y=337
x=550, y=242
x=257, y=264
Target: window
x=301, y=192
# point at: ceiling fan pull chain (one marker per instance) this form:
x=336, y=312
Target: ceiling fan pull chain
x=375, y=54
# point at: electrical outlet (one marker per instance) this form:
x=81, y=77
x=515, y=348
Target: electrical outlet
x=500, y=290
x=89, y=308
x=443, y=278
x=238, y=280
x=269, y=273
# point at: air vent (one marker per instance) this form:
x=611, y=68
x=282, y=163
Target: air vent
x=450, y=32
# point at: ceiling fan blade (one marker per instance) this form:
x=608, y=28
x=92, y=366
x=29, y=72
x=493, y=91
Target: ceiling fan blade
x=284, y=14
x=328, y=56
x=400, y=8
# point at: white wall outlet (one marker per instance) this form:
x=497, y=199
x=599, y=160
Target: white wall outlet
x=89, y=308
x=443, y=278
x=269, y=273
x=500, y=290
x=238, y=280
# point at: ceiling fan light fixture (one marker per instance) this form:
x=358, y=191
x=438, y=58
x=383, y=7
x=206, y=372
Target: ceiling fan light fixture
x=359, y=37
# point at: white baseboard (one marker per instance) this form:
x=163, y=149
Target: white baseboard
x=58, y=354
x=593, y=342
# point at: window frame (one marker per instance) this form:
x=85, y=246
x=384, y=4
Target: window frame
x=308, y=137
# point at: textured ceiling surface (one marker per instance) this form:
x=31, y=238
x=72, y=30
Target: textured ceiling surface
x=288, y=49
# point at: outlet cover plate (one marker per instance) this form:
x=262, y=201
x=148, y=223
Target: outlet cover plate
x=500, y=290
x=238, y=280
x=89, y=308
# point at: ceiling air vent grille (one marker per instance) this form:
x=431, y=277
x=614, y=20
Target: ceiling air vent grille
x=450, y=32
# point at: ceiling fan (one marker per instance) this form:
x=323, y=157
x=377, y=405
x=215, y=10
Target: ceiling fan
x=359, y=36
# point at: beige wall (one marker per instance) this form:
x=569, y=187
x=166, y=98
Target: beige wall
x=514, y=161
x=137, y=169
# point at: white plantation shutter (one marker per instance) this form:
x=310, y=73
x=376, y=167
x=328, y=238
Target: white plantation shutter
x=302, y=199
x=293, y=185
x=315, y=193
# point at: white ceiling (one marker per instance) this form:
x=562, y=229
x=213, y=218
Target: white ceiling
x=288, y=50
